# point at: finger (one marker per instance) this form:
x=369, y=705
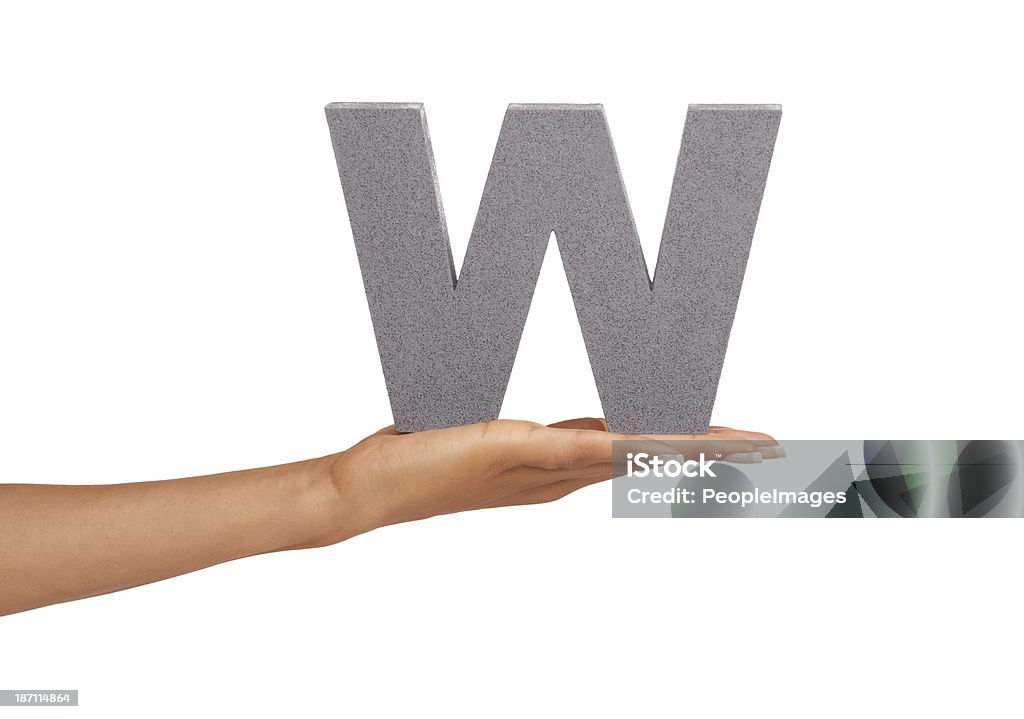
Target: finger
x=691, y=444
x=721, y=441
x=730, y=435
x=759, y=439
x=550, y=485
x=595, y=423
x=712, y=433
x=745, y=457
x=550, y=448
x=546, y=493
x=559, y=483
x=522, y=478
x=599, y=424
x=528, y=477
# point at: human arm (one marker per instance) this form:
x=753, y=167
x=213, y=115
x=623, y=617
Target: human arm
x=64, y=542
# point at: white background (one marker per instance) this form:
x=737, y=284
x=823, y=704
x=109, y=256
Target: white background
x=180, y=296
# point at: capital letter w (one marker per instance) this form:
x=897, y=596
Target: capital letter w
x=447, y=342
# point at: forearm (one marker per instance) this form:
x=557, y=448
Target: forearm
x=59, y=543
x=64, y=542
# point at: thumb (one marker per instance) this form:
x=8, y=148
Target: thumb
x=593, y=423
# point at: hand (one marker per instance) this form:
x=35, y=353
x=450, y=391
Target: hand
x=63, y=542
x=389, y=477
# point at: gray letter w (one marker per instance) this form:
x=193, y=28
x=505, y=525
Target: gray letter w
x=447, y=343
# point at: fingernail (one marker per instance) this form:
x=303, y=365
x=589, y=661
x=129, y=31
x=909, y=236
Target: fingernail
x=773, y=452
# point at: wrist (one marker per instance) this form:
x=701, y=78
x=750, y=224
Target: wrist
x=330, y=512
x=292, y=506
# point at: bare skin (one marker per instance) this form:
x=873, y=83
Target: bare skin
x=64, y=542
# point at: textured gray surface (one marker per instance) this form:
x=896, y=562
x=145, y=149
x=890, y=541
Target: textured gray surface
x=447, y=345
